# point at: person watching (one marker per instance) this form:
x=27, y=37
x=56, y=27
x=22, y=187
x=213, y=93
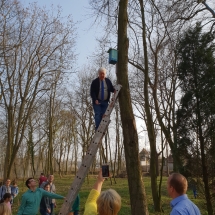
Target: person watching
x=177, y=188
x=42, y=179
x=6, y=199
x=50, y=180
x=45, y=208
x=31, y=199
x=102, y=203
x=14, y=190
x=6, y=188
x=76, y=206
x=4, y=209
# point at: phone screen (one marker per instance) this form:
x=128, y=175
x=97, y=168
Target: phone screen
x=105, y=171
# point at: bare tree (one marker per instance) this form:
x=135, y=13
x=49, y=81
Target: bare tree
x=136, y=186
x=40, y=44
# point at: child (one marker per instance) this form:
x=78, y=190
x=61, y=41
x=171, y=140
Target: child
x=42, y=179
x=45, y=208
x=6, y=199
x=14, y=190
x=4, y=210
x=194, y=191
x=75, y=206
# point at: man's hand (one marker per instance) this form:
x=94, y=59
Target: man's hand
x=49, y=211
x=113, y=95
x=97, y=102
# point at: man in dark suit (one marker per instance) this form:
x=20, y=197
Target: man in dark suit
x=100, y=90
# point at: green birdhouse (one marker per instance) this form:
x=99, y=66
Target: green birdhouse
x=113, y=56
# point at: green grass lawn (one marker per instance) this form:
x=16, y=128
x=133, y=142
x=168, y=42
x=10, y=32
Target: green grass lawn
x=121, y=186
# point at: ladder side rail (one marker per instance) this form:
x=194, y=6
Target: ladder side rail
x=88, y=159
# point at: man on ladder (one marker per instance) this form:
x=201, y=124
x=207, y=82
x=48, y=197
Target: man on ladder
x=90, y=155
x=100, y=90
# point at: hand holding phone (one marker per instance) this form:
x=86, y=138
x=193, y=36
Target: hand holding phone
x=105, y=171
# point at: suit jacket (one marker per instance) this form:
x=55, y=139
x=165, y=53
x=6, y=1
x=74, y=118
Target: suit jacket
x=94, y=89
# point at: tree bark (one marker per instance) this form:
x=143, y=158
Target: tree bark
x=205, y=177
x=136, y=185
x=149, y=119
x=50, y=136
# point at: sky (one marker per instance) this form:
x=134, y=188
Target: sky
x=86, y=31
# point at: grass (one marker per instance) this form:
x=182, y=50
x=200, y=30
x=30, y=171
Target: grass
x=121, y=186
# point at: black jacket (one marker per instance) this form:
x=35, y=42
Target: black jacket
x=45, y=203
x=94, y=89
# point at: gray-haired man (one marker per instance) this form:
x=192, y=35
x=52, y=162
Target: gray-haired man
x=100, y=90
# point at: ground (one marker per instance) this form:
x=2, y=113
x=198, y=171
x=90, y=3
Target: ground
x=121, y=186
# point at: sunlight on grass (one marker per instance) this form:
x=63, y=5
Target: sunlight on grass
x=121, y=186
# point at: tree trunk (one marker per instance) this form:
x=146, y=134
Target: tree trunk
x=50, y=143
x=203, y=161
x=205, y=175
x=136, y=185
x=149, y=120
x=76, y=152
x=10, y=132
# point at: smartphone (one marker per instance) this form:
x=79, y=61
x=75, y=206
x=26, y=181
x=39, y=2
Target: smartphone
x=105, y=171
